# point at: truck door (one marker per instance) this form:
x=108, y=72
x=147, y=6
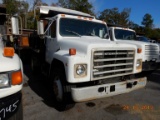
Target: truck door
x=51, y=42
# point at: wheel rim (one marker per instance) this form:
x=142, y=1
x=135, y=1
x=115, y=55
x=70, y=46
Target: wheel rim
x=57, y=89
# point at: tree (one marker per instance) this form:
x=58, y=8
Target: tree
x=11, y=6
x=22, y=11
x=147, y=21
x=17, y=7
x=63, y=3
x=36, y=2
x=155, y=34
x=30, y=20
x=115, y=17
x=79, y=5
x=136, y=27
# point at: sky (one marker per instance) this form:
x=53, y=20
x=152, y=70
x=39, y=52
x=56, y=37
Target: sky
x=138, y=8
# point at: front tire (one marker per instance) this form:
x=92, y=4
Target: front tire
x=62, y=96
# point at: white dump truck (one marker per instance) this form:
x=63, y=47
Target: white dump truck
x=74, y=50
x=11, y=78
x=148, y=51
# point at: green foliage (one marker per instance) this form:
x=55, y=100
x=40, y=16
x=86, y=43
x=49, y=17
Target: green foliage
x=155, y=34
x=147, y=21
x=115, y=17
x=36, y=2
x=79, y=5
x=31, y=21
x=152, y=33
x=11, y=6
x=147, y=30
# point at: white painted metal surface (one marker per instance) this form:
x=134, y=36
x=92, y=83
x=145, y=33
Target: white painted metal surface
x=8, y=64
x=46, y=9
x=93, y=93
x=139, y=44
x=15, y=26
x=57, y=47
x=84, y=46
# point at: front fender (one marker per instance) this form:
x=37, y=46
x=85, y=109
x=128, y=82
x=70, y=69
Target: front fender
x=69, y=62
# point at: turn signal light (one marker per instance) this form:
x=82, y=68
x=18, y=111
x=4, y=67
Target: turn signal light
x=8, y=52
x=24, y=42
x=72, y=51
x=139, y=50
x=16, y=78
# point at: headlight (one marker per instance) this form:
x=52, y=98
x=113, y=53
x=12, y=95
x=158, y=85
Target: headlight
x=80, y=70
x=139, y=64
x=4, y=80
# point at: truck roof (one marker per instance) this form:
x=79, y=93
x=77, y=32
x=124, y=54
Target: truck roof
x=114, y=25
x=50, y=11
x=120, y=27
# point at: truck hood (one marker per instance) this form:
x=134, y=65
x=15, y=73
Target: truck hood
x=85, y=42
x=8, y=63
x=139, y=43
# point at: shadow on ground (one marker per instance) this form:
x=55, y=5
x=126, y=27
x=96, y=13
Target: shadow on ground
x=155, y=77
x=41, y=86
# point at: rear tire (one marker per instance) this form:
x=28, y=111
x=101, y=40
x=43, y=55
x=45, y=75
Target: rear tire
x=62, y=97
x=35, y=66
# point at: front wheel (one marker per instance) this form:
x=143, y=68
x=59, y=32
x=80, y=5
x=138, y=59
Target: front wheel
x=62, y=96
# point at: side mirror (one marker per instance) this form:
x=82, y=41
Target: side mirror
x=15, y=25
x=40, y=27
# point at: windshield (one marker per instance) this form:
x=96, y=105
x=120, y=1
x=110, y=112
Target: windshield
x=144, y=39
x=74, y=27
x=121, y=34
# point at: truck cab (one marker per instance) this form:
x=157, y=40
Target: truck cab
x=148, y=51
x=81, y=59
x=11, y=78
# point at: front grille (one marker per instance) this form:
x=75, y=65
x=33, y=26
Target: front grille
x=111, y=63
x=151, y=50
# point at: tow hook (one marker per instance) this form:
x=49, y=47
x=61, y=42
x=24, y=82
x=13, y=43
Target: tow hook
x=135, y=83
x=130, y=85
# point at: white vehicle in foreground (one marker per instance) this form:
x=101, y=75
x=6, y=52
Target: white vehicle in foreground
x=148, y=51
x=79, y=58
x=11, y=79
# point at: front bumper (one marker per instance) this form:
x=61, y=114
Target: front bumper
x=9, y=105
x=106, y=90
x=147, y=66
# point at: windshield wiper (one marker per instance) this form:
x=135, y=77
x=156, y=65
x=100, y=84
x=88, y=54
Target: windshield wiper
x=73, y=32
x=92, y=34
x=105, y=36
